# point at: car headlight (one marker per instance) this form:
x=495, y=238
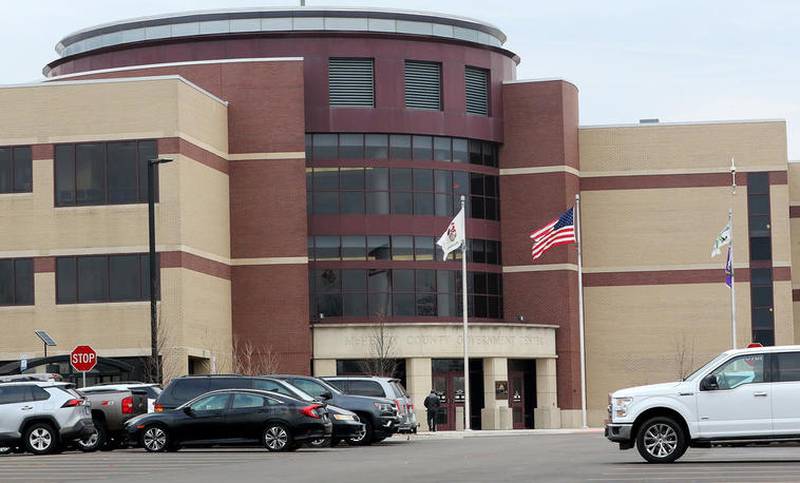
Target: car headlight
x=343, y=417
x=619, y=406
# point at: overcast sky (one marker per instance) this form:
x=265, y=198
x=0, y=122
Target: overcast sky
x=677, y=60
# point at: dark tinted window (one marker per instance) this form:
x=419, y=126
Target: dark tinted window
x=376, y=146
x=761, y=248
x=16, y=173
x=788, y=367
x=186, y=389
x=351, y=146
x=103, y=278
x=400, y=146
x=366, y=388
x=14, y=394
x=39, y=394
x=16, y=281
x=215, y=402
x=310, y=387
x=102, y=173
x=246, y=401
x=267, y=385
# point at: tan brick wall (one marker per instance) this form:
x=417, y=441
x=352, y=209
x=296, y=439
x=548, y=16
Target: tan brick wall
x=659, y=228
x=684, y=147
x=634, y=334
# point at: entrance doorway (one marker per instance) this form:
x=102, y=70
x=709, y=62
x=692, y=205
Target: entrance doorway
x=522, y=392
x=448, y=382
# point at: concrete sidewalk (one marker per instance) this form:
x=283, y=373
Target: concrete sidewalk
x=427, y=435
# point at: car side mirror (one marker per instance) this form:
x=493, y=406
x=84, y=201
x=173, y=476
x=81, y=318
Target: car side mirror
x=188, y=410
x=710, y=383
x=325, y=396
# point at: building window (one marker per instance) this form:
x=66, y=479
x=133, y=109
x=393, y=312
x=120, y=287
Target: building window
x=351, y=83
x=401, y=191
x=403, y=293
x=329, y=146
x=103, y=278
x=762, y=311
x=16, y=171
x=16, y=281
x=324, y=248
x=102, y=173
x=423, y=85
x=476, y=82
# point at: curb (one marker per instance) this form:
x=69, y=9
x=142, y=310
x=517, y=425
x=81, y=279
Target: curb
x=445, y=435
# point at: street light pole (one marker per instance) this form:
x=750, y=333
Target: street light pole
x=152, y=165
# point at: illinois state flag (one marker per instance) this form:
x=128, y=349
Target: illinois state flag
x=453, y=237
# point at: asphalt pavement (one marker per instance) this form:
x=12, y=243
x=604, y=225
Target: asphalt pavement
x=526, y=458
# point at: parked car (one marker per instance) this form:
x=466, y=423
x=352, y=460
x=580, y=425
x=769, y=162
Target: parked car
x=746, y=396
x=42, y=416
x=111, y=408
x=150, y=390
x=379, y=415
x=385, y=387
x=233, y=417
x=346, y=424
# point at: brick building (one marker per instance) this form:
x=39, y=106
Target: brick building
x=318, y=153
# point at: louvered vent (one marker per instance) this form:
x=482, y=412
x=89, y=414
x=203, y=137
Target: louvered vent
x=477, y=88
x=351, y=82
x=423, y=85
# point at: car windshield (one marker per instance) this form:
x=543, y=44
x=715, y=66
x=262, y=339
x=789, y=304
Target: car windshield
x=712, y=362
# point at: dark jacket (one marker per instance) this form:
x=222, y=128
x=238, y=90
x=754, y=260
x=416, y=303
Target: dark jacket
x=432, y=402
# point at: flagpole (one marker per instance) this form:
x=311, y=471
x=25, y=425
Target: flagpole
x=465, y=311
x=733, y=270
x=579, y=246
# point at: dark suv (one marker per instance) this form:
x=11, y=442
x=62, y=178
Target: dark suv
x=379, y=415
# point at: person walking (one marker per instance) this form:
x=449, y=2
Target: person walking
x=432, y=406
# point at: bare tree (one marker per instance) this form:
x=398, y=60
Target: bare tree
x=382, y=347
x=684, y=354
x=249, y=360
x=164, y=346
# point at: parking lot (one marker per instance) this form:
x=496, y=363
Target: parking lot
x=545, y=457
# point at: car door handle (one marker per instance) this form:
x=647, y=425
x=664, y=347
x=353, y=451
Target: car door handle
x=760, y=394
x=26, y=408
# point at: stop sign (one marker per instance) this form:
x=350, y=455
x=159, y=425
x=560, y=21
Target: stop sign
x=83, y=358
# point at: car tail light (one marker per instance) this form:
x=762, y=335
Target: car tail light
x=311, y=411
x=399, y=406
x=411, y=407
x=127, y=405
x=71, y=403
x=159, y=408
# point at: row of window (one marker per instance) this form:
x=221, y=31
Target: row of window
x=16, y=281
x=351, y=83
x=321, y=147
x=396, y=247
x=783, y=367
x=102, y=173
x=400, y=293
x=401, y=191
x=103, y=278
x=16, y=170
x=761, y=288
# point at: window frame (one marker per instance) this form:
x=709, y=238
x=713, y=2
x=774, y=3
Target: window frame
x=143, y=283
x=440, y=79
x=12, y=160
x=141, y=184
x=488, y=84
x=15, y=282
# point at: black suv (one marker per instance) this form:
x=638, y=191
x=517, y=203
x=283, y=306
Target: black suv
x=379, y=415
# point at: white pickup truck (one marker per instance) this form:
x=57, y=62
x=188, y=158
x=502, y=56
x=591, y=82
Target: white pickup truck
x=745, y=396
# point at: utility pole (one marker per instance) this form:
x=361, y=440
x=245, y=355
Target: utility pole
x=152, y=165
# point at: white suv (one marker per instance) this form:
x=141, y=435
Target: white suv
x=740, y=397
x=41, y=416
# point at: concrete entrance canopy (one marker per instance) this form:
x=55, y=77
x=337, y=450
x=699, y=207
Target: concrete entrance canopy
x=419, y=343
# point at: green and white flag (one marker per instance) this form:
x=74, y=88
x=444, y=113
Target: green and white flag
x=722, y=239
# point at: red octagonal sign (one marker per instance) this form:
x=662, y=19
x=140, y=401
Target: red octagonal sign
x=83, y=358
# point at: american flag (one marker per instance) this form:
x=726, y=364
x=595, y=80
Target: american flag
x=560, y=231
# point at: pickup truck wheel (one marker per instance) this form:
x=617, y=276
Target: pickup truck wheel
x=365, y=437
x=661, y=440
x=97, y=440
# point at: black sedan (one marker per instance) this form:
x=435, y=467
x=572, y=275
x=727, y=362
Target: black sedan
x=233, y=417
